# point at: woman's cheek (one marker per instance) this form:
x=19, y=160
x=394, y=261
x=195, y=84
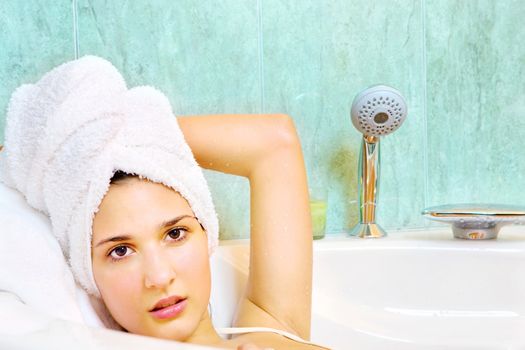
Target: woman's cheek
x=198, y=268
x=119, y=287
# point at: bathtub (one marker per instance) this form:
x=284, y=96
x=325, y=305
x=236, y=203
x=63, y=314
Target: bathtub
x=411, y=290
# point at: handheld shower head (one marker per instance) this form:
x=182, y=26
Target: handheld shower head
x=378, y=110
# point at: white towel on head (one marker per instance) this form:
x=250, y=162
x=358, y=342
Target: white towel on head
x=67, y=134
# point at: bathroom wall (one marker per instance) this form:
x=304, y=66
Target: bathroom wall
x=459, y=63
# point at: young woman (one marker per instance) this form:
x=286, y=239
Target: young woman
x=139, y=239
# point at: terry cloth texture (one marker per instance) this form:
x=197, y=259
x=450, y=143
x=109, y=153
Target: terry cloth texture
x=67, y=134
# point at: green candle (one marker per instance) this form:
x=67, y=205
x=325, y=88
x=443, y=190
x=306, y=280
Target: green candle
x=318, y=212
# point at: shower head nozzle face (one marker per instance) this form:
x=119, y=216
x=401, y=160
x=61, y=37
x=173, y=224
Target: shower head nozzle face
x=378, y=110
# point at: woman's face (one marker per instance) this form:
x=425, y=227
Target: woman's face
x=150, y=260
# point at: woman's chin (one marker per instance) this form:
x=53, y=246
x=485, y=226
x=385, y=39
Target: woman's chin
x=178, y=330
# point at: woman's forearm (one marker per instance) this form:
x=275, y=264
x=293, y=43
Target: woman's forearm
x=233, y=144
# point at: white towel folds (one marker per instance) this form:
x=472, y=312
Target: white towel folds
x=68, y=133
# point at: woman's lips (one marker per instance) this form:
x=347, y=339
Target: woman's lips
x=169, y=307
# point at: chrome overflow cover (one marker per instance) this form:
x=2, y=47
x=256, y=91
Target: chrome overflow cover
x=476, y=221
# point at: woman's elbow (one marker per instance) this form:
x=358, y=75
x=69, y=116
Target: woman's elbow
x=283, y=134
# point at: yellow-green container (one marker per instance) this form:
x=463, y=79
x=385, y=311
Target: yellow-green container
x=318, y=212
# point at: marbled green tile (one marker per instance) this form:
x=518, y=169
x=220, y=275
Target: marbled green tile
x=202, y=54
x=476, y=101
x=317, y=56
x=35, y=36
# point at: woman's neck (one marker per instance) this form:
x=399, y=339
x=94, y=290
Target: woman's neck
x=205, y=334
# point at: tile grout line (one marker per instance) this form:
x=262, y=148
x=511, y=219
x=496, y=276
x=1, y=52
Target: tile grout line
x=75, y=27
x=425, y=117
x=261, y=56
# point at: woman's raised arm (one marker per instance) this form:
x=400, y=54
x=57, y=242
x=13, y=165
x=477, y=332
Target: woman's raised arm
x=266, y=150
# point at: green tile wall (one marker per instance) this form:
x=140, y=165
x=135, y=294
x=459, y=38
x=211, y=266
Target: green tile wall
x=460, y=65
x=35, y=35
x=476, y=101
x=330, y=51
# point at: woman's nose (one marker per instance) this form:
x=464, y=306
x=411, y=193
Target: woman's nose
x=158, y=271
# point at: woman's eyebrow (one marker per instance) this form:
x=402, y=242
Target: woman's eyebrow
x=173, y=221
x=113, y=239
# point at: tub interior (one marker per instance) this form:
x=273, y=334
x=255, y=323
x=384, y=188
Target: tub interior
x=415, y=290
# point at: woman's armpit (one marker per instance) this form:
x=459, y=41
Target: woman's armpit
x=249, y=314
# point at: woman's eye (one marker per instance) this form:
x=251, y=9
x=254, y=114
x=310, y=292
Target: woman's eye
x=120, y=252
x=177, y=234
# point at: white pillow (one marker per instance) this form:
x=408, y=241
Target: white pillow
x=32, y=266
